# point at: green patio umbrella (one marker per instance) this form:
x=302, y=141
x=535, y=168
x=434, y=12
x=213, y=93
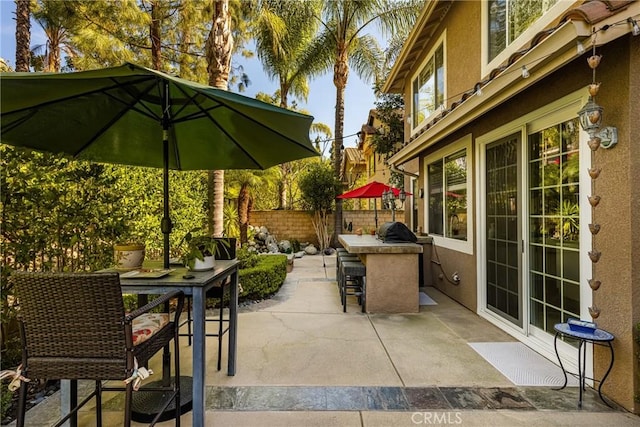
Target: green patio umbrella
x=137, y=116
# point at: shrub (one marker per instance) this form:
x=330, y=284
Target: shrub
x=247, y=258
x=265, y=278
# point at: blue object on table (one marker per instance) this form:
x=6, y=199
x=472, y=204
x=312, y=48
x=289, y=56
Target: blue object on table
x=594, y=336
x=582, y=326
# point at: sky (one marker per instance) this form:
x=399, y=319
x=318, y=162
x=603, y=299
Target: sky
x=359, y=97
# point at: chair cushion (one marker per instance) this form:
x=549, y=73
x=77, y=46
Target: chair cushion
x=148, y=324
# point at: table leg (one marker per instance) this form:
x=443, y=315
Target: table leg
x=582, y=355
x=68, y=401
x=555, y=347
x=606, y=375
x=233, y=324
x=199, y=356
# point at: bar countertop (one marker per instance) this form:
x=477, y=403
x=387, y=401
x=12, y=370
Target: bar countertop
x=367, y=244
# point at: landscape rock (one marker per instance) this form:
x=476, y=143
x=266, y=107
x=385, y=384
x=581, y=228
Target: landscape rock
x=285, y=246
x=311, y=250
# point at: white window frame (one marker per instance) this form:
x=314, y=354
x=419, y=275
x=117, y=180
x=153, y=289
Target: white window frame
x=441, y=42
x=523, y=39
x=464, y=246
x=548, y=115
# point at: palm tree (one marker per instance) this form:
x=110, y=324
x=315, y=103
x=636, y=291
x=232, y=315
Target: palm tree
x=342, y=44
x=244, y=181
x=218, y=48
x=23, y=34
x=59, y=21
x=283, y=32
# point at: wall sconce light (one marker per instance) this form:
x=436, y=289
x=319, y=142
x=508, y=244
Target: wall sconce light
x=635, y=28
x=525, y=73
x=590, y=120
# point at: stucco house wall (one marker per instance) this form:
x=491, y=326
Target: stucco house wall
x=619, y=184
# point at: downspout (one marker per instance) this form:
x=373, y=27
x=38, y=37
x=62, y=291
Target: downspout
x=402, y=171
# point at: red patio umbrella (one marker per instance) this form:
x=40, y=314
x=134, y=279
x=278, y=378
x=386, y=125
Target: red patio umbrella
x=371, y=190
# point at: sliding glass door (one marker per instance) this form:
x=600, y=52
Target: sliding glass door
x=554, y=225
x=503, y=257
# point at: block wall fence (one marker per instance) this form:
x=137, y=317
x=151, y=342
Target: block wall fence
x=289, y=225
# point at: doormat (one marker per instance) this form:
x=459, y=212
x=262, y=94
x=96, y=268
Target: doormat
x=521, y=365
x=426, y=299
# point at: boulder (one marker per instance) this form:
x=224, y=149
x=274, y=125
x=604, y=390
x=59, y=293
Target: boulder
x=285, y=246
x=310, y=250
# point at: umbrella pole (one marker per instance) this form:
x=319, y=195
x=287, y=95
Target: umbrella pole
x=375, y=210
x=166, y=225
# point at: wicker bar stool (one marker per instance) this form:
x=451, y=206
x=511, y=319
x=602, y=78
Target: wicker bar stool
x=353, y=282
x=73, y=326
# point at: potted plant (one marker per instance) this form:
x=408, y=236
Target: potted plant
x=225, y=248
x=202, y=250
x=128, y=255
x=199, y=252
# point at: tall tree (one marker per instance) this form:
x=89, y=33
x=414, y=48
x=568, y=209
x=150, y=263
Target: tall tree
x=23, y=35
x=342, y=43
x=218, y=50
x=58, y=21
x=284, y=31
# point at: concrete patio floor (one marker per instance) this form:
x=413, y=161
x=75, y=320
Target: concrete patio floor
x=303, y=362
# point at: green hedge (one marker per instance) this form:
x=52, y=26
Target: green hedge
x=265, y=278
x=260, y=281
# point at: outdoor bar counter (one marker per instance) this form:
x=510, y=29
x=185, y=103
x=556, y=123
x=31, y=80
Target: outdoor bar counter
x=392, y=273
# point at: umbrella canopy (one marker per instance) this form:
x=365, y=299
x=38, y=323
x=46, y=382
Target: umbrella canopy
x=371, y=190
x=117, y=115
x=137, y=116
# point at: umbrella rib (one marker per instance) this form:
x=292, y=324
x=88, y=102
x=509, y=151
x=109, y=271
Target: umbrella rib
x=147, y=111
x=190, y=100
x=112, y=121
x=8, y=128
x=206, y=113
x=255, y=121
x=66, y=98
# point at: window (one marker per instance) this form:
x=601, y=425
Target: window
x=508, y=19
x=428, y=87
x=371, y=160
x=447, y=185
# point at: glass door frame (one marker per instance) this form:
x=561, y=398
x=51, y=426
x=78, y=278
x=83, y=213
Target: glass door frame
x=558, y=111
x=482, y=143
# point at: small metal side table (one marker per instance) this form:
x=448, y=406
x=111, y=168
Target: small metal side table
x=598, y=337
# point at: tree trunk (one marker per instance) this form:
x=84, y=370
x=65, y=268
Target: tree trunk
x=340, y=76
x=284, y=167
x=23, y=35
x=53, y=57
x=218, y=49
x=243, y=212
x=215, y=192
x=154, y=32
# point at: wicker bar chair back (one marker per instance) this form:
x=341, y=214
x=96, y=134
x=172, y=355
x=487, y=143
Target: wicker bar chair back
x=73, y=326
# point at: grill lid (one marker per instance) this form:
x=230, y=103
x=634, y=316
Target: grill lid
x=396, y=232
